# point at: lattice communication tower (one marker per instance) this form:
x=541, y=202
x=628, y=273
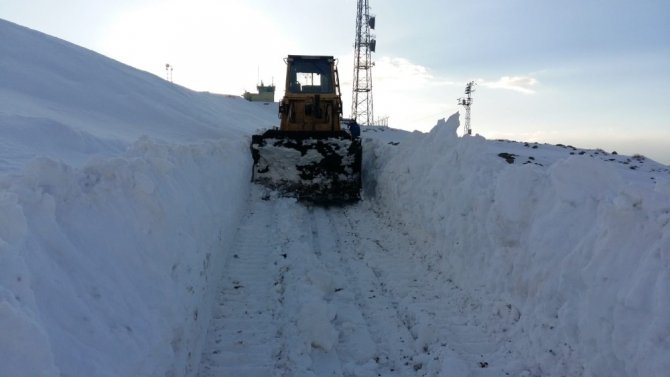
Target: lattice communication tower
x=467, y=102
x=361, y=101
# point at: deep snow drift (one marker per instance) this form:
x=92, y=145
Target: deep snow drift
x=121, y=195
x=566, y=251
x=118, y=191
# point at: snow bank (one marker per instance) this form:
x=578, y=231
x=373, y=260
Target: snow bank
x=119, y=196
x=124, y=250
x=570, y=258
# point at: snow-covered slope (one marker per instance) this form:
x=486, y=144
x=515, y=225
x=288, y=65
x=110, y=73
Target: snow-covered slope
x=57, y=99
x=118, y=192
x=566, y=252
x=121, y=196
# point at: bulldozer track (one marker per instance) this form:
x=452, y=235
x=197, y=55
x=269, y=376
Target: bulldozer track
x=369, y=305
x=307, y=293
x=244, y=334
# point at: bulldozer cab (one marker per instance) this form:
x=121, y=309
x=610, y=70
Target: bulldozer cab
x=312, y=98
x=310, y=75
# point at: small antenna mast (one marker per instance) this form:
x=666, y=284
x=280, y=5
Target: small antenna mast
x=168, y=72
x=467, y=102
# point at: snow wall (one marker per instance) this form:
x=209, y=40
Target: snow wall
x=569, y=254
x=112, y=239
x=127, y=250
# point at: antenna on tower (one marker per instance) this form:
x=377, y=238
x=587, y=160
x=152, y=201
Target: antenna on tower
x=365, y=45
x=467, y=102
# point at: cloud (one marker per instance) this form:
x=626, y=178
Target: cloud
x=402, y=71
x=412, y=95
x=395, y=67
x=522, y=84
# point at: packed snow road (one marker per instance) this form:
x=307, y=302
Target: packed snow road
x=313, y=291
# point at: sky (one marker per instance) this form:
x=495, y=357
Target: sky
x=589, y=73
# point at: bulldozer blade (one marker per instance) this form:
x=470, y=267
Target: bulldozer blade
x=322, y=167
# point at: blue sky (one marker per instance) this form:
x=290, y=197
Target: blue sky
x=588, y=73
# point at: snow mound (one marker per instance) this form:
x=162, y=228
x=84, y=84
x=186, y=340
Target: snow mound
x=119, y=195
x=568, y=252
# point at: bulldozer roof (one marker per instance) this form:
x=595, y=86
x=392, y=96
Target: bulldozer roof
x=310, y=57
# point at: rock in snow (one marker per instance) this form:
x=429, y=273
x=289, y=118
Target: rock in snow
x=132, y=243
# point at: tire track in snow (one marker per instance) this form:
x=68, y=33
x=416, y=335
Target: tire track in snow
x=436, y=312
x=311, y=291
x=399, y=287
x=368, y=322
x=243, y=338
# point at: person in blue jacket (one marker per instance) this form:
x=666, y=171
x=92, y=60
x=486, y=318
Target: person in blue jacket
x=354, y=129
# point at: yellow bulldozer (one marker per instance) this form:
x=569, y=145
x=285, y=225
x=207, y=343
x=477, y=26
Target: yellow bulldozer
x=310, y=156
